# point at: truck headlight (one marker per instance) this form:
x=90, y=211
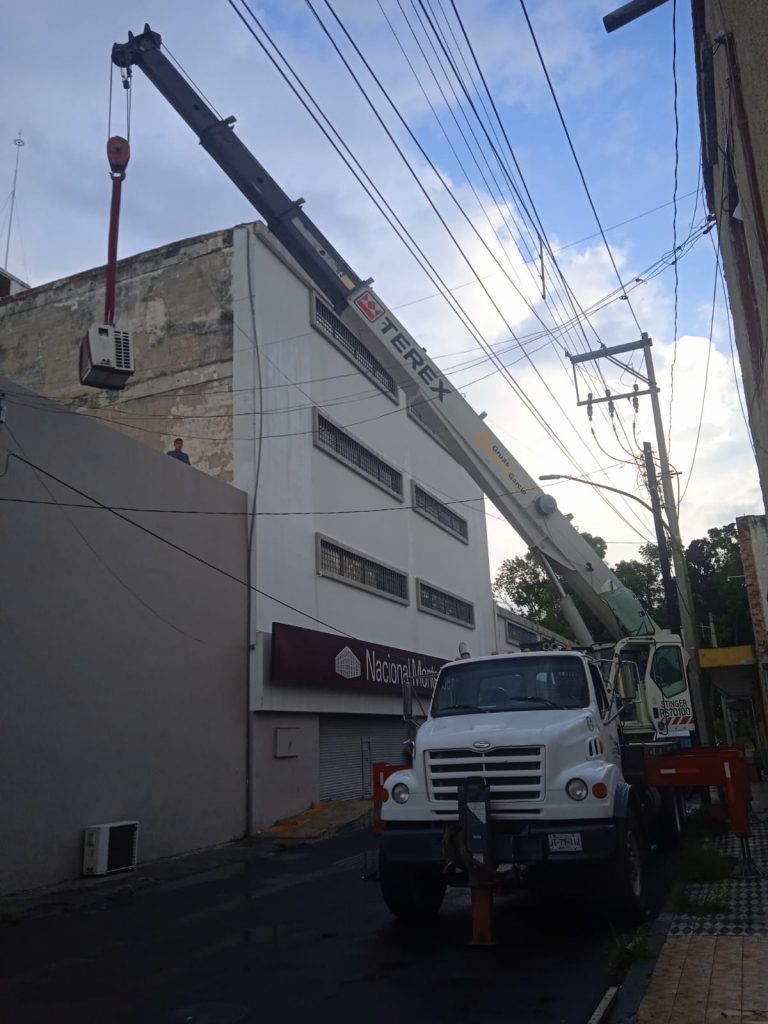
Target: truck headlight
x=400, y=793
x=576, y=789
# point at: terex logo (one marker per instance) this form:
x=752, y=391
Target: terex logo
x=369, y=306
x=408, y=350
x=347, y=664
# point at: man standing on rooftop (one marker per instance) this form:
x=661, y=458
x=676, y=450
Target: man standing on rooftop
x=177, y=453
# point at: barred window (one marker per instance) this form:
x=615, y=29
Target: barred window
x=335, y=329
x=448, y=606
x=339, y=443
x=427, y=505
x=359, y=571
x=416, y=405
x=519, y=635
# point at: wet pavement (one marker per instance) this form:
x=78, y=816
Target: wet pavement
x=297, y=936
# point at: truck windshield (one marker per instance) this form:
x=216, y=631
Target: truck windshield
x=524, y=684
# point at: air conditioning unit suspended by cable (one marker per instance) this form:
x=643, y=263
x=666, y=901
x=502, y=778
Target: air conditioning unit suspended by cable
x=106, y=357
x=110, y=847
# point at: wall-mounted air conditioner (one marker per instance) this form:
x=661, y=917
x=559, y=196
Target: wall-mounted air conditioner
x=106, y=357
x=110, y=847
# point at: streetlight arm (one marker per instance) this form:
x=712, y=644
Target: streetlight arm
x=629, y=12
x=603, y=487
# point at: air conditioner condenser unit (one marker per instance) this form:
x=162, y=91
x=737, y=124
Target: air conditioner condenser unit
x=106, y=357
x=110, y=847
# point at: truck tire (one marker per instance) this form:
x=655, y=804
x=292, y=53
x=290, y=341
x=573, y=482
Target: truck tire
x=629, y=875
x=412, y=892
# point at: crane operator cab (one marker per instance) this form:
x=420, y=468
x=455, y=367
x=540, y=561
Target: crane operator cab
x=650, y=673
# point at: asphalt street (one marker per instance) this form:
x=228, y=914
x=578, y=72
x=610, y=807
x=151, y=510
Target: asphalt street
x=298, y=936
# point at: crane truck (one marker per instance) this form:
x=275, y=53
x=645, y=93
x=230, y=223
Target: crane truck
x=549, y=748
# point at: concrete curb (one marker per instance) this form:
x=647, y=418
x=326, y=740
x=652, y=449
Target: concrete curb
x=638, y=978
x=604, y=1007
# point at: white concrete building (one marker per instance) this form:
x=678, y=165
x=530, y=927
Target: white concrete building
x=368, y=548
x=321, y=432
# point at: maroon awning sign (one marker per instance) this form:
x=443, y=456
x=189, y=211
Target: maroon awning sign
x=307, y=657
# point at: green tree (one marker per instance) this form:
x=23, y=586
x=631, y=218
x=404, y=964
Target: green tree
x=717, y=582
x=522, y=582
x=596, y=543
x=643, y=577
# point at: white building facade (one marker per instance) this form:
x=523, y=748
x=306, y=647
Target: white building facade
x=365, y=525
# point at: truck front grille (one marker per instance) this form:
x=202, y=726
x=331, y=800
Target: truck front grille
x=512, y=773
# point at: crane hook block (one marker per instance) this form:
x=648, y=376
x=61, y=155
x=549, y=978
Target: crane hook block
x=118, y=154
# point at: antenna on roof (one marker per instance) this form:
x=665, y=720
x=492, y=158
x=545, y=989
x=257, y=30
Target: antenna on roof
x=18, y=143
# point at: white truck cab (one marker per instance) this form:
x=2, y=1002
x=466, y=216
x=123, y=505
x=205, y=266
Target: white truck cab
x=541, y=735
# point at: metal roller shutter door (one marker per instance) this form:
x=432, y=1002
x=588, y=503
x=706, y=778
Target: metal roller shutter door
x=349, y=746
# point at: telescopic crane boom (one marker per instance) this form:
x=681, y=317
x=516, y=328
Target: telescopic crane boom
x=564, y=553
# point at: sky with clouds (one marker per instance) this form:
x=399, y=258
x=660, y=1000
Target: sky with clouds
x=616, y=94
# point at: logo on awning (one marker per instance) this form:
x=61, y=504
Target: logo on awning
x=347, y=664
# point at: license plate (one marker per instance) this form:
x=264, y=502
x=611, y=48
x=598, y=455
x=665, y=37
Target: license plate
x=564, y=842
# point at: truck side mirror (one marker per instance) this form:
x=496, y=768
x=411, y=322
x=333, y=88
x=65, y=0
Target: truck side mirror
x=407, y=699
x=628, y=710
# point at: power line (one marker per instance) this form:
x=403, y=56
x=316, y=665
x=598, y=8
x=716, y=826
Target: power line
x=108, y=568
x=575, y=156
x=513, y=384
x=538, y=221
x=283, y=513
x=471, y=149
x=357, y=171
x=93, y=411
x=674, y=227
x=706, y=379
x=169, y=543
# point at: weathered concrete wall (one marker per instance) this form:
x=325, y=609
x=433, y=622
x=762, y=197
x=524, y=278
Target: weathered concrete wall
x=733, y=147
x=177, y=303
x=123, y=659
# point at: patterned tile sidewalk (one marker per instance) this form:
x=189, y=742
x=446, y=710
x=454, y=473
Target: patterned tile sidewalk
x=746, y=898
x=713, y=969
x=709, y=979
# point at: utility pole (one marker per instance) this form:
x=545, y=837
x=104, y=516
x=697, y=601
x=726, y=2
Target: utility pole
x=670, y=592
x=712, y=633
x=18, y=143
x=682, y=580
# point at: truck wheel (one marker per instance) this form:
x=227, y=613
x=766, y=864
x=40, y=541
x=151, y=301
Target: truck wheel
x=669, y=826
x=412, y=892
x=629, y=881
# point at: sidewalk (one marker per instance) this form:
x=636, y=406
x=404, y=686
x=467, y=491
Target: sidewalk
x=316, y=823
x=713, y=968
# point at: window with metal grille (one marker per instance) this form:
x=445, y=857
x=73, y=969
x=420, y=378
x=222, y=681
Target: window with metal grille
x=518, y=634
x=338, y=332
x=341, y=445
x=448, y=606
x=427, y=505
x=415, y=405
x=360, y=571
